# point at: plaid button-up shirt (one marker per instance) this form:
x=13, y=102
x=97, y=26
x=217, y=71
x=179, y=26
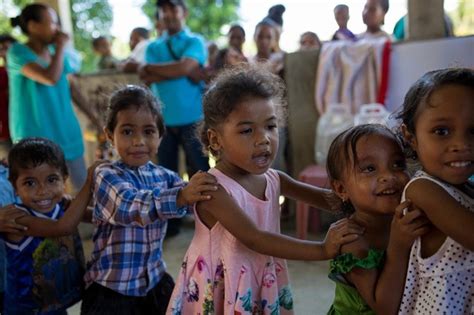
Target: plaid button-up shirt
x=132, y=206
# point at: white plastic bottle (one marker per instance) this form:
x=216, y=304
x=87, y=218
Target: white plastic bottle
x=335, y=120
x=374, y=113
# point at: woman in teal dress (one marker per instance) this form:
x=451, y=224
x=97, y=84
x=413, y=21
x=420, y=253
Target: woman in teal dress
x=40, y=99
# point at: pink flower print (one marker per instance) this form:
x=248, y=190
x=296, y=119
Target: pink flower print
x=278, y=267
x=193, y=290
x=200, y=264
x=269, y=279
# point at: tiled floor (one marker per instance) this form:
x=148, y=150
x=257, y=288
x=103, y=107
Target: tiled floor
x=313, y=291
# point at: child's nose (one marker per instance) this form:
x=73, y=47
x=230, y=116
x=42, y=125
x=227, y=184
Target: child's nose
x=262, y=139
x=387, y=177
x=41, y=190
x=461, y=143
x=138, y=140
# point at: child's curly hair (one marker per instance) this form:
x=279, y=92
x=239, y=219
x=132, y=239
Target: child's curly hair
x=233, y=86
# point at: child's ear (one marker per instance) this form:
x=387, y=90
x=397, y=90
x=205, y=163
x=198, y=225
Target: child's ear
x=408, y=136
x=340, y=189
x=214, y=141
x=108, y=135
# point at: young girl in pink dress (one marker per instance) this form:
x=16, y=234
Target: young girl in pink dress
x=228, y=268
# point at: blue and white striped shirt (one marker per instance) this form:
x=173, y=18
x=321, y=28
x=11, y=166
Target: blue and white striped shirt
x=131, y=209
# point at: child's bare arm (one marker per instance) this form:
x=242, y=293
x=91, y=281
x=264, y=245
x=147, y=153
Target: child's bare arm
x=382, y=290
x=224, y=209
x=296, y=190
x=195, y=191
x=8, y=216
x=444, y=212
x=67, y=224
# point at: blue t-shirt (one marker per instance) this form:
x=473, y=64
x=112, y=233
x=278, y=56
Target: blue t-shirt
x=45, y=275
x=39, y=110
x=180, y=97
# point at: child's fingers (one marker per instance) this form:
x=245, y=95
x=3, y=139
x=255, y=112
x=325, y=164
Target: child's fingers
x=204, y=188
x=348, y=238
x=402, y=208
x=354, y=229
x=13, y=227
x=195, y=198
x=346, y=225
x=411, y=215
x=340, y=222
x=202, y=177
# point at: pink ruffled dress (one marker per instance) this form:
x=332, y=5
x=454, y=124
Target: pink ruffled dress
x=219, y=275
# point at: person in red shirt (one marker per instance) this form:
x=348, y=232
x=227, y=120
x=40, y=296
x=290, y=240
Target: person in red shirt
x=5, y=42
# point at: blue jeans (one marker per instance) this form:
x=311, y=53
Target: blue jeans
x=186, y=137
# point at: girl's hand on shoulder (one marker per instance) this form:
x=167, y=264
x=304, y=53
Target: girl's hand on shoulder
x=195, y=191
x=341, y=232
x=8, y=216
x=405, y=228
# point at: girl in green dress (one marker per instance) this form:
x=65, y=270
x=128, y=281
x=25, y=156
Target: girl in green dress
x=366, y=168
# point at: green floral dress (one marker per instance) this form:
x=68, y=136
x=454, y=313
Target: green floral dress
x=347, y=300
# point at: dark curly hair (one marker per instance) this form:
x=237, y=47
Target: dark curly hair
x=133, y=96
x=235, y=85
x=342, y=154
x=32, y=152
x=418, y=96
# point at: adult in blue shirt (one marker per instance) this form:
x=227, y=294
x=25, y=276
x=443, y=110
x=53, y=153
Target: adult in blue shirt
x=40, y=99
x=170, y=61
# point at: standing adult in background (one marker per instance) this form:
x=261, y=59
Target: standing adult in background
x=275, y=15
x=40, y=100
x=5, y=142
x=309, y=41
x=373, y=16
x=400, y=26
x=139, y=40
x=170, y=59
x=341, y=14
x=236, y=37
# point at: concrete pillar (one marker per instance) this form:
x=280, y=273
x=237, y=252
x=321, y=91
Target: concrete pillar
x=425, y=19
x=63, y=8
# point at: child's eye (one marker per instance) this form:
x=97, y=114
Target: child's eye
x=400, y=165
x=367, y=169
x=150, y=131
x=53, y=179
x=29, y=183
x=246, y=131
x=441, y=131
x=272, y=126
x=127, y=132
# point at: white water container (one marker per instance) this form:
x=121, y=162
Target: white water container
x=374, y=113
x=335, y=120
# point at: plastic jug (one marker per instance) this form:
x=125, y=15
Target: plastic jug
x=372, y=114
x=335, y=120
